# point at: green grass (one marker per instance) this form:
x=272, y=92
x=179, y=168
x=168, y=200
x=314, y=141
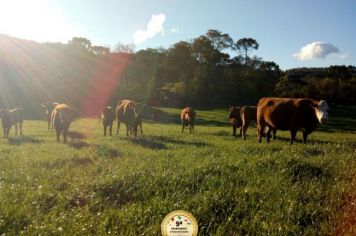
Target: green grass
x=124, y=185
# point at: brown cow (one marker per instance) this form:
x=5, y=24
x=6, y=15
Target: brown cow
x=10, y=118
x=241, y=117
x=129, y=113
x=292, y=114
x=62, y=116
x=188, y=118
x=248, y=114
x=108, y=117
x=48, y=107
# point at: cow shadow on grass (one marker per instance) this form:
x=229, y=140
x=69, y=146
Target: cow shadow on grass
x=76, y=135
x=100, y=150
x=153, y=141
x=23, y=139
x=313, y=141
x=78, y=144
x=147, y=143
x=76, y=140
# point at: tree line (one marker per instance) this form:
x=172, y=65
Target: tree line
x=212, y=70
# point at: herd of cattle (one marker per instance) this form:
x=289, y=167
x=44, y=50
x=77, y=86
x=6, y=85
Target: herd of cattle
x=270, y=115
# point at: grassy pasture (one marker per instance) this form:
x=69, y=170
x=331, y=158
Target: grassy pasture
x=124, y=185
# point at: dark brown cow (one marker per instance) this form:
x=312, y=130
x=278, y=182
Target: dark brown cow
x=48, y=107
x=129, y=113
x=241, y=117
x=108, y=117
x=10, y=118
x=188, y=118
x=292, y=114
x=62, y=117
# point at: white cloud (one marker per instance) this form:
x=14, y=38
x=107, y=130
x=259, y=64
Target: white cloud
x=175, y=30
x=314, y=50
x=344, y=55
x=154, y=26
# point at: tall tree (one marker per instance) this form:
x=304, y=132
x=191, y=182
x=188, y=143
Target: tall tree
x=219, y=40
x=244, y=45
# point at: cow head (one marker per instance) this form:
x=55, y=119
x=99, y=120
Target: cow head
x=49, y=106
x=321, y=111
x=3, y=112
x=234, y=112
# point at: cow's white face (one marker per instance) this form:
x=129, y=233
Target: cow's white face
x=322, y=111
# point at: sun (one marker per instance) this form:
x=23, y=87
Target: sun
x=34, y=20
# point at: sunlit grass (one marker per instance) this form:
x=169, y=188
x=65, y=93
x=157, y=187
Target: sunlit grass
x=110, y=185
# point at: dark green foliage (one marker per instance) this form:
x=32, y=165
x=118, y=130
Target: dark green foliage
x=336, y=84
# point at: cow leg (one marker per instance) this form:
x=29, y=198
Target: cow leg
x=127, y=130
x=58, y=133
x=274, y=134
x=141, y=127
x=293, y=133
x=104, y=130
x=260, y=129
x=182, y=128
x=268, y=133
x=65, y=131
x=16, y=129
x=110, y=130
x=21, y=133
x=305, y=136
x=118, y=127
x=234, y=130
x=243, y=132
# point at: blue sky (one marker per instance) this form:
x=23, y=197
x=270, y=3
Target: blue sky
x=326, y=29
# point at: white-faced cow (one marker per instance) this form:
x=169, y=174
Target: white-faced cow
x=292, y=114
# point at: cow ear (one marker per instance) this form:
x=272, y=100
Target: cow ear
x=43, y=105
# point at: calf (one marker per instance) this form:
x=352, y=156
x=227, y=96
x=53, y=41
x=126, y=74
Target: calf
x=108, y=117
x=10, y=118
x=187, y=117
x=241, y=117
x=291, y=114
